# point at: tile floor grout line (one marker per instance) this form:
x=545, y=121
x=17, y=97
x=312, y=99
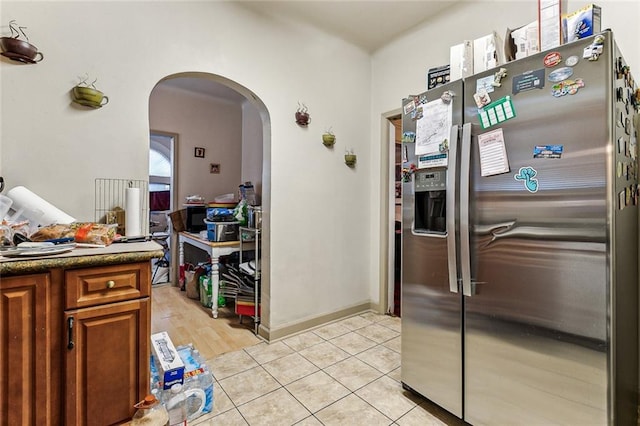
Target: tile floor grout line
x=253, y=399
x=312, y=413
x=384, y=341
x=372, y=406
x=306, y=347
x=383, y=374
x=275, y=390
x=296, y=347
x=373, y=366
x=300, y=402
x=299, y=378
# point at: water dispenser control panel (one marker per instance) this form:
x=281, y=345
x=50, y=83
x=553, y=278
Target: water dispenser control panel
x=431, y=180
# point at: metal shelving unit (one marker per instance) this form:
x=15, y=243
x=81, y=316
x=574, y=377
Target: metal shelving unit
x=256, y=274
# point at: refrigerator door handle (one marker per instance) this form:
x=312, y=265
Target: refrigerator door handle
x=465, y=170
x=451, y=211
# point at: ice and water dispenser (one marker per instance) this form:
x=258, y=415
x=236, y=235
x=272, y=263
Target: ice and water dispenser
x=430, y=201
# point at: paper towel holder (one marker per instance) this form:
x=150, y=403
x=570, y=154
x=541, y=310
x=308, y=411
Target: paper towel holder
x=110, y=201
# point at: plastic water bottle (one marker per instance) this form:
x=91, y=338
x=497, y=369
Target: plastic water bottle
x=249, y=193
x=150, y=412
x=205, y=382
x=195, y=394
x=177, y=406
x=196, y=400
x=155, y=376
x=196, y=355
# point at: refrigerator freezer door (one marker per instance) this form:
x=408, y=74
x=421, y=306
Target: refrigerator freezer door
x=536, y=338
x=431, y=313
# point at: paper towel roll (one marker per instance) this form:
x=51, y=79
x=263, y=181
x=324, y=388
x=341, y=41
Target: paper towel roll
x=133, y=213
x=37, y=210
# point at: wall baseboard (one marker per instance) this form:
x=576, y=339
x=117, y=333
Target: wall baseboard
x=272, y=334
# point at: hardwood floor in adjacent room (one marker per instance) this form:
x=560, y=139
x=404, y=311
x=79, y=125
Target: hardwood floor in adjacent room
x=187, y=321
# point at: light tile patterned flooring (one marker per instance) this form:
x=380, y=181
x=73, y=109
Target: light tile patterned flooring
x=343, y=373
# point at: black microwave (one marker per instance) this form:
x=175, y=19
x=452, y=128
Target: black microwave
x=195, y=218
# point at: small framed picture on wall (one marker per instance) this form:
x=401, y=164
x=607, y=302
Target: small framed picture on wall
x=214, y=168
x=199, y=152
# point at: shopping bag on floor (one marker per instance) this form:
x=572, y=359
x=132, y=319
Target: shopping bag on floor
x=192, y=280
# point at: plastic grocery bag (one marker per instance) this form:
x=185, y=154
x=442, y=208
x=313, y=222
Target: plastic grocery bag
x=241, y=213
x=192, y=282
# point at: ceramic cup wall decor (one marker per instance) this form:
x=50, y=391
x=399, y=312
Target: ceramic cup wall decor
x=19, y=50
x=328, y=138
x=302, y=115
x=89, y=96
x=350, y=159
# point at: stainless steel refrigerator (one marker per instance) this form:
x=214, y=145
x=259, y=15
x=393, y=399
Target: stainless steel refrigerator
x=520, y=241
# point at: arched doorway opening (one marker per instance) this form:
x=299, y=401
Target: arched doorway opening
x=223, y=124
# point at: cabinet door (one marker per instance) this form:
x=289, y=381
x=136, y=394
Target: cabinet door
x=24, y=350
x=107, y=362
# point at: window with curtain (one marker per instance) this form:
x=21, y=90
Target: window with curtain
x=159, y=180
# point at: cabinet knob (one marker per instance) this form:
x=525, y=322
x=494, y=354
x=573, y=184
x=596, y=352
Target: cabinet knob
x=111, y=284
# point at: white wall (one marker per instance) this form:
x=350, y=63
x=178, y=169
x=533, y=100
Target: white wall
x=252, y=138
x=399, y=68
x=205, y=122
x=323, y=236
x=318, y=220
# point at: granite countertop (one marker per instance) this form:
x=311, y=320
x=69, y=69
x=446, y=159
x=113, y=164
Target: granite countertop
x=82, y=257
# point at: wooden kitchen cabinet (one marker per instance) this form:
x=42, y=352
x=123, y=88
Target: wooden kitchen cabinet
x=106, y=362
x=25, y=348
x=108, y=326
x=74, y=344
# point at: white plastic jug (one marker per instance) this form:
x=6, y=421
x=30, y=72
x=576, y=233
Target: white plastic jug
x=183, y=396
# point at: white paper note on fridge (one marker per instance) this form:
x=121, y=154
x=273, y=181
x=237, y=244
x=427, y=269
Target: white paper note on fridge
x=493, y=153
x=433, y=129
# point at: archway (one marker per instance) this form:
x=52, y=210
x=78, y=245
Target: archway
x=255, y=134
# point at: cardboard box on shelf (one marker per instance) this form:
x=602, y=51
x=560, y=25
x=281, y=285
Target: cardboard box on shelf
x=461, y=60
x=487, y=52
x=550, y=23
x=582, y=23
x=170, y=365
x=521, y=42
x=179, y=220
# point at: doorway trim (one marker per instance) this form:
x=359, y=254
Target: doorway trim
x=173, y=202
x=387, y=200
x=174, y=164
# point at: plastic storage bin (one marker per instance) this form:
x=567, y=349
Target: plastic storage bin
x=222, y=231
